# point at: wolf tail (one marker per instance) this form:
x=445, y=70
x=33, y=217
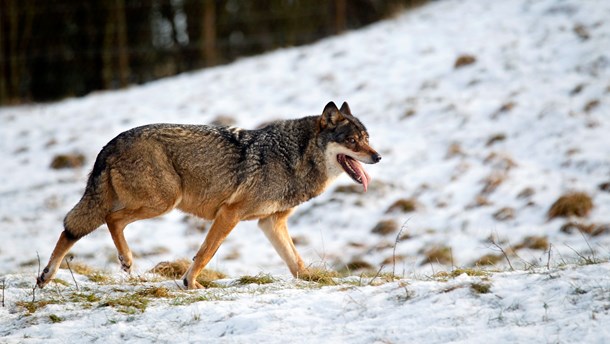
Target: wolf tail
x=97, y=201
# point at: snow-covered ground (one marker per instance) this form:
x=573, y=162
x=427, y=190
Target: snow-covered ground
x=483, y=150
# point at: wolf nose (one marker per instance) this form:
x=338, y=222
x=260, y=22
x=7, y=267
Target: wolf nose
x=376, y=158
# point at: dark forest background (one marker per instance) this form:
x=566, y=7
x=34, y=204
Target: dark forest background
x=50, y=49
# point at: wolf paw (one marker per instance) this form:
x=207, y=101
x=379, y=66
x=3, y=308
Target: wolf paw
x=42, y=280
x=192, y=285
x=125, y=264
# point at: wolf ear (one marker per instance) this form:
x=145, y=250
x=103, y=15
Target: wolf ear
x=345, y=109
x=330, y=116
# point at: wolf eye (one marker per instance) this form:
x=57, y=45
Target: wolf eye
x=351, y=140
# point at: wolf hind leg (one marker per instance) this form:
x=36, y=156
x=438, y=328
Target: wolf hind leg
x=276, y=230
x=118, y=220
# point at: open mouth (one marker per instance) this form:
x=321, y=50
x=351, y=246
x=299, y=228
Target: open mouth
x=354, y=169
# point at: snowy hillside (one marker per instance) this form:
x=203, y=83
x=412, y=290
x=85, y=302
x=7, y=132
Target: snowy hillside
x=485, y=113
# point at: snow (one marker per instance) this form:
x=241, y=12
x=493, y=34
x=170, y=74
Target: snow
x=433, y=125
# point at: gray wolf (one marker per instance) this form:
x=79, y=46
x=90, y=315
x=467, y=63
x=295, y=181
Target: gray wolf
x=224, y=174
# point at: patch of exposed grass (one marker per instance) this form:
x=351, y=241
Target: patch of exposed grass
x=495, y=138
x=184, y=299
x=504, y=214
x=591, y=105
x=82, y=297
x=320, y=276
x=73, y=160
x=55, y=319
x=403, y=205
x=60, y=281
x=534, y=242
x=488, y=259
x=571, y=204
x=258, y=279
x=128, y=303
x=32, y=306
x=385, y=227
x=480, y=288
x=464, y=60
x=438, y=254
x=156, y=292
x=349, y=189
x=177, y=268
x=591, y=229
x=461, y=271
x=358, y=264
x=491, y=182
x=100, y=277
x=78, y=268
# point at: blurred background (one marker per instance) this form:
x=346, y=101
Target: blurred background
x=55, y=49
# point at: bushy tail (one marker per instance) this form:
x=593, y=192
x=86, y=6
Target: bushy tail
x=90, y=212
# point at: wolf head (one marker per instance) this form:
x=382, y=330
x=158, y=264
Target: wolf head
x=347, y=143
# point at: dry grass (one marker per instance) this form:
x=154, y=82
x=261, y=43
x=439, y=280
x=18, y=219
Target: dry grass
x=534, y=242
x=488, y=259
x=571, y=204
x=403, y=205
x=68, y=161
x=464, y=60
x=258, y=279
x=78, y=268
x=504, y=214
x=157, y=292
x=320, y=276
x=177, y=268
x=591, y=229
x=461, y=271
x=438, y=254
x=591, y=105
x=480, y=288
x=358, y=264
x=495, y=138
x=491, y=182
x=385, y=227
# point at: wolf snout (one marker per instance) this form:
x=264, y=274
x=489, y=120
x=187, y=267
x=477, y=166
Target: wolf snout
x=376, y=158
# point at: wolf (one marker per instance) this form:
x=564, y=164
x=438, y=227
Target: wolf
x=224, y=174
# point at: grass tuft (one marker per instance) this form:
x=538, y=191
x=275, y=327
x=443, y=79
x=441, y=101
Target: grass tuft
x=480, y=288
x=55, y=319
x=438, y=254
x=385, y=227
x=534, y=242
x=464, y=60
x=258, y=279
x=129, y=304
x=32, y=306
x=404, y=205
x=489, y=259
x=460, y=271
x=571, y=204
x=177, y=268
x=320, y=276
x=156, y=292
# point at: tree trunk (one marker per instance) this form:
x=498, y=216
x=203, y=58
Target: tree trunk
x=123, y=49
x=209, y=33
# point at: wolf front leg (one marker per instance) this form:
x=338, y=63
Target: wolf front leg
x=226, y=219
x=276, y=230
x=65, y=242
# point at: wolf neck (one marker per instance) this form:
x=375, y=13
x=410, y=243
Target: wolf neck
x=289, y=153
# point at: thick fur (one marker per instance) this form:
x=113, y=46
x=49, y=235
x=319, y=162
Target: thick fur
x=218, y=173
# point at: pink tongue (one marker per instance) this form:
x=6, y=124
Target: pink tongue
x=364, y=177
